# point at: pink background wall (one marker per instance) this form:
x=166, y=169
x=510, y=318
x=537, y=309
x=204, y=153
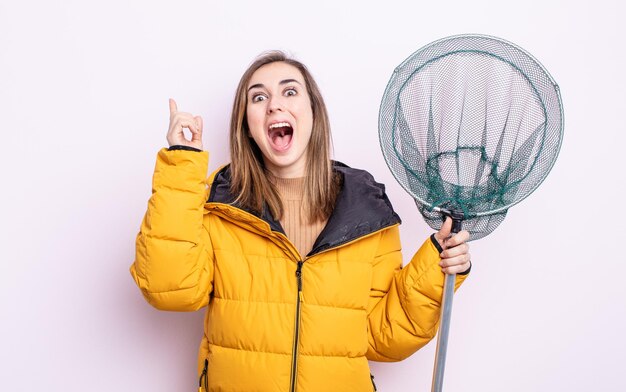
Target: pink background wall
x=83, y=103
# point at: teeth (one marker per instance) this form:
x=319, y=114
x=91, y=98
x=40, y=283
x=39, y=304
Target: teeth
x=280, y=125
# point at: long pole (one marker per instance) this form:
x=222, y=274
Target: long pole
x=442, y=336
x=446, y=315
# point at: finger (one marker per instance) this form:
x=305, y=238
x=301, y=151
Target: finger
x=190, y=124
x=199, y=122
x=197, y=136
x=457, y=269
x=456, y=260
x=455, y=251
x=173, y=107
x=457, y=239
x=183, y=116
x=177, y=128
x=185, y=120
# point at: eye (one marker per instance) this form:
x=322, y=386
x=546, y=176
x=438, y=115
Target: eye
x=291, y=91
x=258, y=97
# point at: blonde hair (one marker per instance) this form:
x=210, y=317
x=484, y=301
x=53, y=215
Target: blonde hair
x=249, y=181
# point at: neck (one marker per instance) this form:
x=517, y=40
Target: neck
x=295, y=170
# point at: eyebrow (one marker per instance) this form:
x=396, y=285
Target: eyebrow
x=261, y=85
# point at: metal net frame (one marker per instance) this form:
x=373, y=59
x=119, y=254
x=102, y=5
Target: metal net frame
x=472, y=124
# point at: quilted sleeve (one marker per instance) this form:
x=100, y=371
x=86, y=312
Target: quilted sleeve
x=174, y=259
x=403, y=311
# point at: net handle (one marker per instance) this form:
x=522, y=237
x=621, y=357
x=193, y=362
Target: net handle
x=446, y=312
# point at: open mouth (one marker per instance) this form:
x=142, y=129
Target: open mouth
x=280, y=135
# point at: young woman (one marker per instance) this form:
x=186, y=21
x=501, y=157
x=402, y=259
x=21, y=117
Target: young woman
x=297, y=256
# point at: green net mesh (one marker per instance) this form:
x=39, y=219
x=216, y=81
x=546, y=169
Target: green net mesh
x=472, y=124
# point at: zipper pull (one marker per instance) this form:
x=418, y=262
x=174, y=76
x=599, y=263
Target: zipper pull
x=299, y=275
x=299, y=279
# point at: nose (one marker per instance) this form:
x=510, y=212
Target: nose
x=275, y=104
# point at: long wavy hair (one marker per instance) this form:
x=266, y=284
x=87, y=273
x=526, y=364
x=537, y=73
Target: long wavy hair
x=248, y=174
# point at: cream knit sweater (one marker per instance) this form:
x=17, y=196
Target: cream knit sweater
x=299, y=230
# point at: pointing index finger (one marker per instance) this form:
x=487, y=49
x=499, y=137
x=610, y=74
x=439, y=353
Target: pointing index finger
x=173, y=107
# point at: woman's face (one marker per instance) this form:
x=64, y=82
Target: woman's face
x=280, y=118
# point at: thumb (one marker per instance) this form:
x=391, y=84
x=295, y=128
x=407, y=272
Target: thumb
x=445, y=230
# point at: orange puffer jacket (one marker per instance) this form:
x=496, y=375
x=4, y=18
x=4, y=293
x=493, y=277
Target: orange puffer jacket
x=277, y=320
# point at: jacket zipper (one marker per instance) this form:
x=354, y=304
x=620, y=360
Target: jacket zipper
x=204, y=377
x=296, y=338
x=295, y=255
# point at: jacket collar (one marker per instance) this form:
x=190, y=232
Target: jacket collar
x=362, y=207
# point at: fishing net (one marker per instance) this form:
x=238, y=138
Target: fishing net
x=470, y=125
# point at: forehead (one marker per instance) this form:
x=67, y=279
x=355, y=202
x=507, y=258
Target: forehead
x=274, y=73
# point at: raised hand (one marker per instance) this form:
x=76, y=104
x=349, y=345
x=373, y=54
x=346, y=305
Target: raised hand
x=181, y=120
x=455, y=257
